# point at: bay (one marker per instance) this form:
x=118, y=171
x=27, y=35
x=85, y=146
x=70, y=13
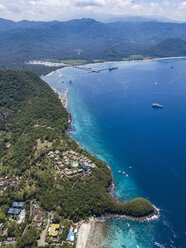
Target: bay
x=114, y=119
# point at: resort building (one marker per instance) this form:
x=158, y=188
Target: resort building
x=84, y=167
x=13, y=211
x=18, y=204
x=70, y=237
x=54, y=230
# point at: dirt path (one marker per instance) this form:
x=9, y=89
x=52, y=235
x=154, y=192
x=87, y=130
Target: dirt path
x=41, y=241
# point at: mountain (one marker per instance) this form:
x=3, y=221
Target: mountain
x=25, y=40
x=167, y=48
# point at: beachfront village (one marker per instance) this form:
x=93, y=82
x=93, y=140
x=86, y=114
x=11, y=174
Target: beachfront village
x=51, y=228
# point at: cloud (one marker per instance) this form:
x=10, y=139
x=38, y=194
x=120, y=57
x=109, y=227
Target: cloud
x=100, y=9
x=89, y=3
x=182, y=5
x=2, y=6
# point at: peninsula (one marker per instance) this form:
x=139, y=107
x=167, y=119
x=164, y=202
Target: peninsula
x=48, y=184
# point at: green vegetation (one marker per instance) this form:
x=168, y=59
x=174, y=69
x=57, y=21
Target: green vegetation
x=33, y=122
x=29, y=239
x=75, y=62
x=138, y=207
x=134, y=57
x=168, y=48
x=76, y=41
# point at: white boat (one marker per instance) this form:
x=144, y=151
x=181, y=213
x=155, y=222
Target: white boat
x=157, y=105
x=119, y=171
x=123, y=172
x=130, y=167
x=128, y=224
x=126, y=175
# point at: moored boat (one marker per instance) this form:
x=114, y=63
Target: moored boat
x=157, y=105
x=113, y=68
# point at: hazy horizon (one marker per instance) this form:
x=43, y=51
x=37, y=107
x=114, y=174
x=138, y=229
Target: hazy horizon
x=101, y=10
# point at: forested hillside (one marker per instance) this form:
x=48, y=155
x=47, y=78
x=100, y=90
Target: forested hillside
x=33, y=123
x=26, y=104
x=81, y=39
x=168, y=48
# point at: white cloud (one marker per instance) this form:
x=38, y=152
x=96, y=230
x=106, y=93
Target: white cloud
x=69, y=9
x=182, y=5
x=2, y=6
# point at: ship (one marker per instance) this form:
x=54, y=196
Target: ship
x=112, y=68
x=157, y=105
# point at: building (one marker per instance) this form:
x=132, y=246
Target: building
x=70, y=237
x=84, y=167
x=13, y=181
x=13, y=211
x=38, y=217
x=18, y=204
x=54, y=230
x=4, y=183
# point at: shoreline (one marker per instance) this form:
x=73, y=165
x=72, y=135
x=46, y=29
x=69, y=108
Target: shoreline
x=65, y=102
x=155, y=215
x=93, y=233
x=116, y=61
x=88, y=230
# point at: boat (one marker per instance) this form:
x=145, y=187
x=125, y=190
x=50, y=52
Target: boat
x=137, y=246
x=130, y=167
x=112, y=68
x=157, y=105
x=119, y=171
x=128, y=224
x=123, y=172
x=126, y=175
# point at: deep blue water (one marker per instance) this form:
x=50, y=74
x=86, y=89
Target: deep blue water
x=114, y=119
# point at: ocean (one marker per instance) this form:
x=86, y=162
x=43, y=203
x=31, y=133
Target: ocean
x=113, y=119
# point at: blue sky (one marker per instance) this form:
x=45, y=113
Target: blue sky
x=99, y=9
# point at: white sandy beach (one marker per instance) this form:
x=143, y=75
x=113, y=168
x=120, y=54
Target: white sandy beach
x=92, y=234
x=83, y=235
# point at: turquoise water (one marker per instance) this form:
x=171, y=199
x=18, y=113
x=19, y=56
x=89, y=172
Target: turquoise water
x=114, y=119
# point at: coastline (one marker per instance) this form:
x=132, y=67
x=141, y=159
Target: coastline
x=155, y=215
x=112, y=186
x=116, y=61
x=93, y=233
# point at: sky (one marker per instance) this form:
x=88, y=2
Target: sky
x=46, y=10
